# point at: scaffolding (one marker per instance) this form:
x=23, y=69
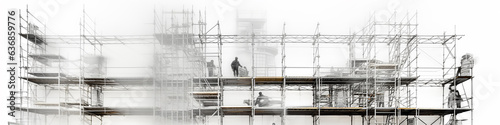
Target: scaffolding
x=381, y=92
x=178, y=59
x=379, y=84
x=64, y=78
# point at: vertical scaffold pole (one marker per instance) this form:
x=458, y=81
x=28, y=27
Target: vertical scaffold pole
x=253, y=80
x=317, y=93
x=219, y=82
x=283, y=74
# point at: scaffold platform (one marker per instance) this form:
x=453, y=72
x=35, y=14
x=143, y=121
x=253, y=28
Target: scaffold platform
x=459, y=79
x=91, y=110
x=34, y=38
x=90, y=81
x=247, y=110
x=246, y=81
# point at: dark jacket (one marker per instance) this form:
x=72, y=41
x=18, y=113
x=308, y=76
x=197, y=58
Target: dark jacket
x=210, y=65
x=454, y=94
x=235, y=64
x=262, y=101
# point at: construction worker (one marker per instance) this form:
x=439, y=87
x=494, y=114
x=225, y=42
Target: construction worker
x=211, y=68
x=262, y=100
x=454, y=98
x=235, y=65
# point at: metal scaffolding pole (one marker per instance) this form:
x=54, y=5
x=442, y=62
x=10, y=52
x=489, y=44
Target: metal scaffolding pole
x=283, y=75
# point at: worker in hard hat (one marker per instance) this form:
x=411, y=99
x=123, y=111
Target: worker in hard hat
x=262, y=100
x=454, y=98
x=234, y=66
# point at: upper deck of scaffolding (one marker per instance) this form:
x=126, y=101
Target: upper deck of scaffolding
x=225, y=38
x=303, y=80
